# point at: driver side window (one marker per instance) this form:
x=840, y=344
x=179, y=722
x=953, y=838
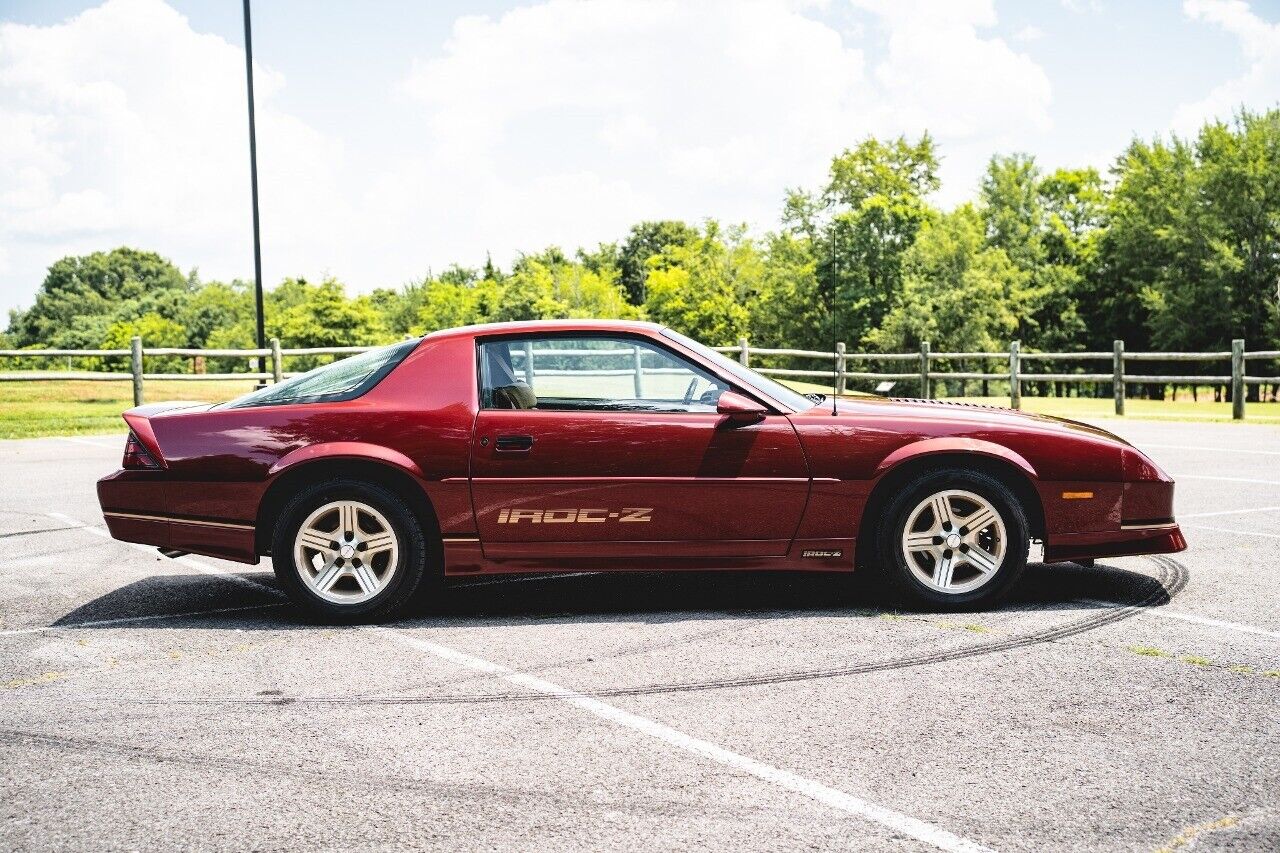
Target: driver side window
x=592, y=374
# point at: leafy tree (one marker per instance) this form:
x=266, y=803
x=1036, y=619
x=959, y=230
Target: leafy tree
x=445, y=306
x=155, y=331
x=549, y=286
x=400, y=309
x=1022, y=213
x=785, y=310
x=1151, y=241
x=1180, y=249
x=702, y=289
x=215, y=305
x=866, y=218
x=1239, y=186
x=302, y=314
x=1191, y=255
x=79, y=293
x=1013, y=209
x=648, y=240
x=958, y=293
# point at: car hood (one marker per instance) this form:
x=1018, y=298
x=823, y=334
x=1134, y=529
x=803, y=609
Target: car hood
x=969, y=413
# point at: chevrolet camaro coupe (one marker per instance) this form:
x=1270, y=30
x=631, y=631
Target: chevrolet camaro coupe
x=616, y=446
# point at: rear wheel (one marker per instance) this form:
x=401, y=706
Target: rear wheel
x=951, y=539
x=349, y=551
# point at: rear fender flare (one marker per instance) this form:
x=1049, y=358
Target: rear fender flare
x=346, y=450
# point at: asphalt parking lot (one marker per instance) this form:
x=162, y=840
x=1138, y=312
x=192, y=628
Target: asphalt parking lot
x=152, y=703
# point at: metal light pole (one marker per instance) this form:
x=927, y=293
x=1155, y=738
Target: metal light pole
x=253, y=181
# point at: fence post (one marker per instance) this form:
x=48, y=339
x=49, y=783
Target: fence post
x=1117, y=375
x=1237, y=379
x=924, y=370
x=1015, y=368
x=637, y=364
x=277, y=361
x=743, y=357
x=135, y=365
x=839, y=388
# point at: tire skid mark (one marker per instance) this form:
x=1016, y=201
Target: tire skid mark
x=33, y=532
x=182, y=757
x=1171, y=579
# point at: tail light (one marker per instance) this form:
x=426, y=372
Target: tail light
x=135, y=455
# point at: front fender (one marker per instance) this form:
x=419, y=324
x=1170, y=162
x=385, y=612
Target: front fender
x=346, y=450
x=952, y=444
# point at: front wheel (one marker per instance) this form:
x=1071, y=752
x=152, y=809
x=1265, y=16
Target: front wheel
x=951, y=540
x=349, y=551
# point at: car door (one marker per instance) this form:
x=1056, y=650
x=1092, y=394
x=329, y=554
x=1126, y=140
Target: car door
x=610, y=445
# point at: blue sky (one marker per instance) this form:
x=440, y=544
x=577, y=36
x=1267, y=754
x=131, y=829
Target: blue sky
x=397, y=137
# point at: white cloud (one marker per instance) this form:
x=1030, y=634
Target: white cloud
x=692, y=110
x=1030, y=32
x=1258, y=87
x=941, y=73
x=122, y=125
x=561, y=122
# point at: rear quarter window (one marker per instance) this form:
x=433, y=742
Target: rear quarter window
x=342, y=380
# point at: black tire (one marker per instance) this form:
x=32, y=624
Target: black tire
x=414, y=550
x=887, y=564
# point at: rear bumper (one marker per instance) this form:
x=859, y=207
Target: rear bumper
x=1130, y=540
x=135, y=508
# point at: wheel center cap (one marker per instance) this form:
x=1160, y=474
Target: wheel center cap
x=953, y=540
x=347, y=552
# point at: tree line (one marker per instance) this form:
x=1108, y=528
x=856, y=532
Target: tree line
x=1177, y=247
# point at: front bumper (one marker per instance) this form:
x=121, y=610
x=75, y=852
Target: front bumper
x=1128, y=541
x=1132, y=517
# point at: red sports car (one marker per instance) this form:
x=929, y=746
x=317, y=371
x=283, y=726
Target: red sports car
x=540, y=446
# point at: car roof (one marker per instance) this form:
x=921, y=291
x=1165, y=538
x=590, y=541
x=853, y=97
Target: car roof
x=544, y=326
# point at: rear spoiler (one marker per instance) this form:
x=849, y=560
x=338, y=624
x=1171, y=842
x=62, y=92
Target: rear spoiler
x=139, y=421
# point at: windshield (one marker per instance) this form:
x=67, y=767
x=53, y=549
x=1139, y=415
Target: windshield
x=793, y=399
x=342, y=380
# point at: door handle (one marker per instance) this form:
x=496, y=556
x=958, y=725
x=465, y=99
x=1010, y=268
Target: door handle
x=513, y=444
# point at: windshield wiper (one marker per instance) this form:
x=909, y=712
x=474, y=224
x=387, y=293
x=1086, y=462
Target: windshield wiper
x=817, y=398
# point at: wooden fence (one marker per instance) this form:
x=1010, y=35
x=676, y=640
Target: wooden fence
x=1013, y=361
x=921, y=363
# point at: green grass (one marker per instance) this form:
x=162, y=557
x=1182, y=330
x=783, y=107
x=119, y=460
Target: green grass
x=1181, y=409
x=33, y=409
x=816, y=388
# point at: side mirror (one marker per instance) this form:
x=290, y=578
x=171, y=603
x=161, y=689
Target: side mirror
x=739, y=409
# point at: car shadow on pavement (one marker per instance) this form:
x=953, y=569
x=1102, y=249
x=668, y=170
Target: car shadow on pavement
x=211, y=602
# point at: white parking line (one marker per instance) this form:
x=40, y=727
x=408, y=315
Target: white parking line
x=914, y=827
x=1229, y=512
x=101, y=445
x=1214, y=449
x=186, y=561
x=1190, y=617
x=1225, y=479
x=1230, y=530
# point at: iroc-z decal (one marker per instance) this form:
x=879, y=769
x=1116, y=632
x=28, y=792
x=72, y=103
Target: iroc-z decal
x=575, y=516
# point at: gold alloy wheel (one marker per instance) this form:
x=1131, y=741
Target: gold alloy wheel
x=954, y=541
x=346, y=552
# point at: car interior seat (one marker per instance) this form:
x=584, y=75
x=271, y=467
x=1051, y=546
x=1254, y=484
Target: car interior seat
x=508, y=391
